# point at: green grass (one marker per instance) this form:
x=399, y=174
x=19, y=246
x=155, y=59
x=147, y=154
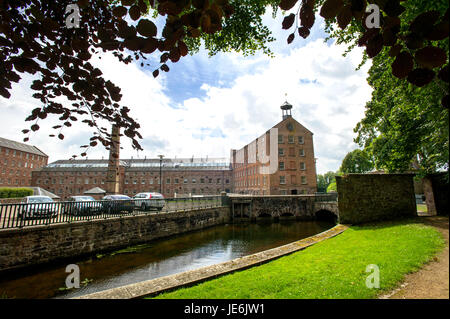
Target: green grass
x=422, y=208
x=334, y=268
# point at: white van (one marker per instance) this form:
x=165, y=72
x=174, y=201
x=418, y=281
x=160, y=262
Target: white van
x=147, y=201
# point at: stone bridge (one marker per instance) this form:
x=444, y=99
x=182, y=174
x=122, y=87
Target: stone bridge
x=302, y=207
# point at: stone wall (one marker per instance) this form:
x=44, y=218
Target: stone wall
x=42, y=244
x=373, y=197
x=302, y=207
x=436, y=193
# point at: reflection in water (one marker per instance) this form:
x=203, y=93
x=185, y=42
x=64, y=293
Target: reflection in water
x=160, y=258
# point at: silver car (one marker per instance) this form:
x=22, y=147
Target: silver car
x=147, y=201
x=38, y=206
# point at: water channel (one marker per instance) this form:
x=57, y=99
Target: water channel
x=158, y=258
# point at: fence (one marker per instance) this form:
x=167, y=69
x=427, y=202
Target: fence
x=17, y=215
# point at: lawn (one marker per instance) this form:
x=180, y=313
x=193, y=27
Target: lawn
x=422, y=208
x=334, y=268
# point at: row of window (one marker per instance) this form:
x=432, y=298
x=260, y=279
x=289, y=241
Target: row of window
x=293, y=180
x=135, y=182
x=257, y=181
x=9, y=181
x=291, y=139
x=281, y=152
x=252, y=182
x=11, y=172
x=282, y=167
x=22, y=154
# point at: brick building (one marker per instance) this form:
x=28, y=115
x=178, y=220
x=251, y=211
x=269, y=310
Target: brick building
x=291, y=170
x=17, y=161
x=180, y=177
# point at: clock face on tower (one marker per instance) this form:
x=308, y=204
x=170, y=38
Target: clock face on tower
x=290, y=126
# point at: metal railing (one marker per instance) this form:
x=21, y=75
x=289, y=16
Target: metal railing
x=20, y=215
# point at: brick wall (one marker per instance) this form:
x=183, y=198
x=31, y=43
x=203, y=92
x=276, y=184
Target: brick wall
x=41, y=244
x=373, y=197
x=16, y=167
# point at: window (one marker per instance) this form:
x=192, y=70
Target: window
x=167, y=180
x=301, y=152
x=302, y=166
x=227, y=181
x=185, y=181
x=304, y=180
x=281, y=152
x=280, y=139
x=151, y=181
x=194, y=181
x=210, y=180
x=291, y=139
x=281, y=165
x=218, y=181
x=300, y=140
x=176, y=181
x=282, y=179
x=202, y=180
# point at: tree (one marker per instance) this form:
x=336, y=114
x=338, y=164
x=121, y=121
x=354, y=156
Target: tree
x=332, y=187
x=324, y=180
x=414, y=31
x=356, y=161
x=404, y=123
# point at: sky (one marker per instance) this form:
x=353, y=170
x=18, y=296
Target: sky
x=204, y=107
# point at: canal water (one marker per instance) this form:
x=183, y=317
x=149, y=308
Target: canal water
x=158, y=258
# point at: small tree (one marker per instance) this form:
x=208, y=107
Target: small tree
x=357, y=161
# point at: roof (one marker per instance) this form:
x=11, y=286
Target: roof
x=95, y=191
x=21, y=147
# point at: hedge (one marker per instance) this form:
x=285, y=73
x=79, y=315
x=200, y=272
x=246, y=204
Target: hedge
x=15, y=192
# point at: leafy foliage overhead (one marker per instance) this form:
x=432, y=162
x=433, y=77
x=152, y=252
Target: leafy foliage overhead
x=34, y=39
x=414, y=42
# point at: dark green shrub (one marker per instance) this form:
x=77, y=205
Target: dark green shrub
x=15, y=192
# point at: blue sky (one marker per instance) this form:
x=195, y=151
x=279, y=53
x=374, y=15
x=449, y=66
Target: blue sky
x=205, y=106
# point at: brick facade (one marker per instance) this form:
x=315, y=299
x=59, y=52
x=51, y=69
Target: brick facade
x=296, y=172
x=181, y=177
x=17, y=161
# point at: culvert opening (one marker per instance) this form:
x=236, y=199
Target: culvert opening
x=326, y=215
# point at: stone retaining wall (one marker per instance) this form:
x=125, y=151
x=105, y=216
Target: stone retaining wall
x=41, y=244
x=373, y=197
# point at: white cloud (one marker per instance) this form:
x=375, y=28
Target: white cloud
x=329, y=101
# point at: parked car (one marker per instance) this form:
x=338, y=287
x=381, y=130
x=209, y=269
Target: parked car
x=82, y=205
x=38, y=206
x=117, y=203
x=147, y=201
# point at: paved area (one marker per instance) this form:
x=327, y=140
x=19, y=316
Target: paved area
x=432, y=281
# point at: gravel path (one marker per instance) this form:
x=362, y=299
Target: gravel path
x=432, y=281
